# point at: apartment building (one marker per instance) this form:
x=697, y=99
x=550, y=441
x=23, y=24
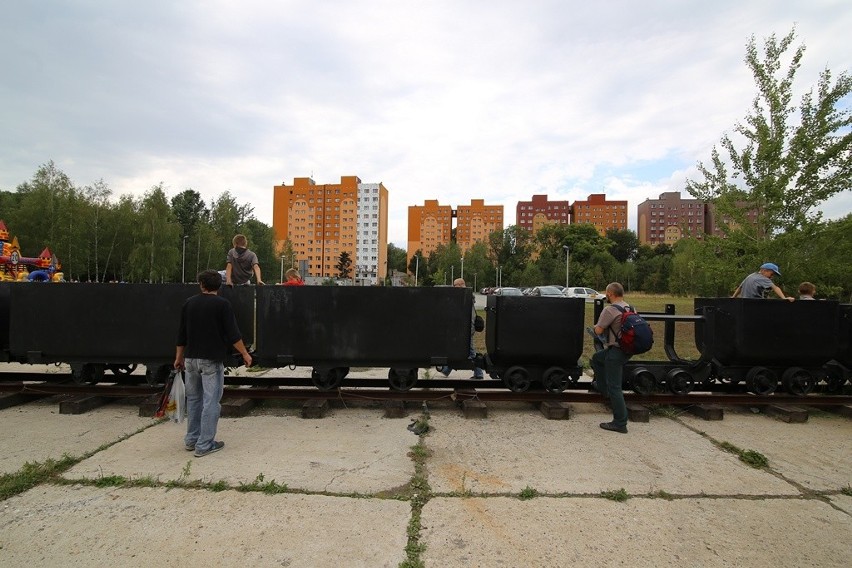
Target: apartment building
x=534, y=214
x=323, y=221
x=475, y=222
x=603, y=214
x=668, y=219
x=429, y=225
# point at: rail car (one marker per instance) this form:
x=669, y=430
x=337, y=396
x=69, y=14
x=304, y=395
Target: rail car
x=531, y=342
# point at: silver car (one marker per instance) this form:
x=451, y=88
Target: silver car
x=546, y=292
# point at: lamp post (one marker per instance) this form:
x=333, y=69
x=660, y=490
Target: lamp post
x=416, y=269
x=452, y=273
x=567, y=263
x=183, y=261
x=282, y=269
x=462, y=269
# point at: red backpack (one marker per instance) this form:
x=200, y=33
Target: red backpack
x=636, y=336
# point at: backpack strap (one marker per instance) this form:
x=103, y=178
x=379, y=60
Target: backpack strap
x=629, y=308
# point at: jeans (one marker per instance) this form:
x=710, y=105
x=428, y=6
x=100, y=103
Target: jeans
x=477, y=372
x=205, y=380
x=609, y=369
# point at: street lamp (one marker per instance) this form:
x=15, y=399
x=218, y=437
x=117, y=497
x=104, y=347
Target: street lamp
x=183, y=262
x=567, y=262
x=462, y=270
x=416, y=269
x=282, y=269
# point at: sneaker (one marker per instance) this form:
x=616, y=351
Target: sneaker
x=613, y=428
x=216, y=447
x=189, y=448
x=446, y=371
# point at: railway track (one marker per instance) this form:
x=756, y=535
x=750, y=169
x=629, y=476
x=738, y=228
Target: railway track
x=426, y=390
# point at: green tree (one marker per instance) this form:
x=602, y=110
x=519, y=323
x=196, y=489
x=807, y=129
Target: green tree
x=790, y=162
x=189, y=210
x=625, y=244
x=396, y=258
x=156, y=251
x=344, y=266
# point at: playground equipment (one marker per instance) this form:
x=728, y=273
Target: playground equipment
x=14, y=267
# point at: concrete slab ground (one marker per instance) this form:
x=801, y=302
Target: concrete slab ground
x=357, y=489
x=75, y=525
x=501, y=531
x=517, y=447
x=814, y=454
x=352, y=450
x=35, y=432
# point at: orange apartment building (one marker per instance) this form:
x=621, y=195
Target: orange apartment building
x=476, y=221
x=603, y=214
x=534, y=214
x=429, y=225
x=322, y=221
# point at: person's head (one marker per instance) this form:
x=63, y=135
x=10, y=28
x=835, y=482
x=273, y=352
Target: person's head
x=240, y=241
x=614, y=292
x=769, y=269
x=459, y=283
x=807, y=289
x=209, y=280
x=292, y=274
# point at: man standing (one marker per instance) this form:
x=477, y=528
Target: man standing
x=208, y=330
x=477, y=372
x=608, y=363
x=242, y=263
x=757, y=284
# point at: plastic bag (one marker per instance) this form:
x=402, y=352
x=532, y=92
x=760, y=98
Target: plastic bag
x=176, y=406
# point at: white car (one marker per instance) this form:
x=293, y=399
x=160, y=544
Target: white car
x=588, y=294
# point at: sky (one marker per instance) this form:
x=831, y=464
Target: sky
x=450, y=100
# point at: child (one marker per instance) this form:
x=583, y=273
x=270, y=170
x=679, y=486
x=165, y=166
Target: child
x=293, y=278
x=241, y=263
x=806, y=291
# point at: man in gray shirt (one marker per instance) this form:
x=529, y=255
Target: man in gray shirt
x=756, y=285
x=242, y=263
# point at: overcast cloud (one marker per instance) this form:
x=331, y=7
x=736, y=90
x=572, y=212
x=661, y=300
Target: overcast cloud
x=451, y=100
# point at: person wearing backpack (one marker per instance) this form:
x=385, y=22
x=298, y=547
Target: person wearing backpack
x=608, y=364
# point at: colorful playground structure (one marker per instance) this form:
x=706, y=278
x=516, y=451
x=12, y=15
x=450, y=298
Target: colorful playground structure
x=17, y=268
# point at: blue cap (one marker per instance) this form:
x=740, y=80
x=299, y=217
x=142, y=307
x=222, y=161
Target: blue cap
x=770, y=266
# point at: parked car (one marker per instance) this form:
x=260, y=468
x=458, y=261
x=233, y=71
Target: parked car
x=546, y=292
x=486, y=291
x=588, y=294
x=508, y=292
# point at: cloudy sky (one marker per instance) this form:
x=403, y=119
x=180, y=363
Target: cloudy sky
x=452, y=100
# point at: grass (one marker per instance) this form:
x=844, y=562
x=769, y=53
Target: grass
x=847, y=490
x=750, y=457
x=619, y=495
x=527, y=493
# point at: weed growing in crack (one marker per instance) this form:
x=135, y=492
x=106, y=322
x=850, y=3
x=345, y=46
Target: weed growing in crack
x=528, y=493
x=619, y=495
x=750, y=457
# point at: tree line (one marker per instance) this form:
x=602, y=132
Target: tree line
x=146, y=239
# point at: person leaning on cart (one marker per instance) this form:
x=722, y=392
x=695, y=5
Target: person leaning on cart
x=756, y=285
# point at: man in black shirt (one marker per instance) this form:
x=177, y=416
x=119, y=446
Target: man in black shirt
x=208, y=330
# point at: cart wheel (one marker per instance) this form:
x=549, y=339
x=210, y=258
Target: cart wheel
x=402, y=379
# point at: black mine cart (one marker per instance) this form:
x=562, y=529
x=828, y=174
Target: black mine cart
x=333, y=328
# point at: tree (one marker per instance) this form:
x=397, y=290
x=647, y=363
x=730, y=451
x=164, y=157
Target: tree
x=157, y=248
x=189, y=210
x=625, y=244
x=396, y=258
x=789, y=164
x=344, y=266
